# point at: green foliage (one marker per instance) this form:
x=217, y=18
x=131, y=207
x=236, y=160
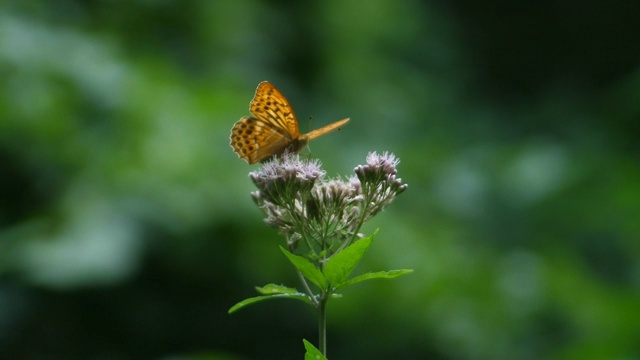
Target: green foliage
x=307, y=269
x=312, y=353
x=334, y=276
x=296, y=296
x=340, y=266
x=390, y=274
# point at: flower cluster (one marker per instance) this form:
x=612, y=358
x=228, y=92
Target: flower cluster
x=326, y=215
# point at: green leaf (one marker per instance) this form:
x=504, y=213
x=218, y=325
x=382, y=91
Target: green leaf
x=312, y=353
x=377, y=275
x=253, y=300
x=307, y=268
x=271, y=289
x=340, y=265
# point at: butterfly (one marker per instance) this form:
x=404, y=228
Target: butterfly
x=273, y=130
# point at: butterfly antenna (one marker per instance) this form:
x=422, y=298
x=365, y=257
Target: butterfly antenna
x=309, y=124
x=309, y=129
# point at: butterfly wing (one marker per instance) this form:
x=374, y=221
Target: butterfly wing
x=323, y=130
x=254, y=140
x=271, y=107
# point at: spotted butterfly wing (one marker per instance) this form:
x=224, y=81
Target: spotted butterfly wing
x=269, y=105
x=253, y=140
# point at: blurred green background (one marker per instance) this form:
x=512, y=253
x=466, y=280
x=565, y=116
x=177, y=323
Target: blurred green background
x=126, y=225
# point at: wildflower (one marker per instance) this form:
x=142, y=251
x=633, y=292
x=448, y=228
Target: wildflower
x=379, y=183
x=325, y=214
x=320, y=220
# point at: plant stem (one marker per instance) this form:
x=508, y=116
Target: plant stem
x=322, y=325
x=312, y=297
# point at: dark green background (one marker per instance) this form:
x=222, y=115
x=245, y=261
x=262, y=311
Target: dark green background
x=126, y=225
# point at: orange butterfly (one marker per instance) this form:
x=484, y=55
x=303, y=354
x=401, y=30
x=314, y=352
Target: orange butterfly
x=274, y=128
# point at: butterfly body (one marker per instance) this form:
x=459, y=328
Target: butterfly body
x=273, y=129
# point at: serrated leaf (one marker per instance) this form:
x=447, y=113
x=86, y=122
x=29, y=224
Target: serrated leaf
x=271, y=289
x=307, y=268
x=312, y=353
x=253, y=300
x=340, y=265
x=377, y=275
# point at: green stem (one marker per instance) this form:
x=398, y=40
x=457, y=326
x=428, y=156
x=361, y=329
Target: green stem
x=305, y=284
x=322, y=326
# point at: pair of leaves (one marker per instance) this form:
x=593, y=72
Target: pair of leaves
x=334, y=276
